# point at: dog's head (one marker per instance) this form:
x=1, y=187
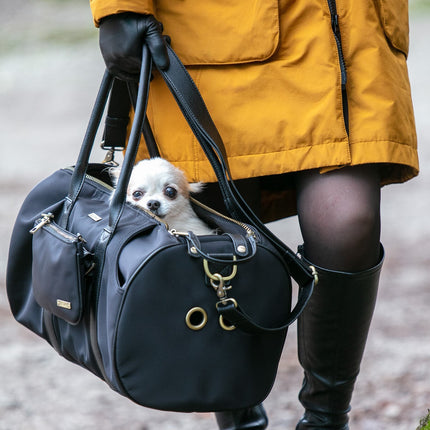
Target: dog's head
x=158, y=186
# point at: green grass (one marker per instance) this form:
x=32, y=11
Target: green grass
x=419, y=6
x=425, y=422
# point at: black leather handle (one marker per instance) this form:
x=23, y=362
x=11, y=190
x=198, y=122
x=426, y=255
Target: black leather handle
x=148, y=136
x=119, y=196
x=81, y=167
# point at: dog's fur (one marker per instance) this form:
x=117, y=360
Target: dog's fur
x=158, y=186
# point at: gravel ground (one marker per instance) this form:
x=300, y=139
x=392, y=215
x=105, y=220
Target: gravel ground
x=49, y=73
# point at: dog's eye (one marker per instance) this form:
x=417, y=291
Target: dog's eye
x=170, y=192
x=137, y=195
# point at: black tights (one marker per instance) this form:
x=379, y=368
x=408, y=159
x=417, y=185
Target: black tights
x=339, y=215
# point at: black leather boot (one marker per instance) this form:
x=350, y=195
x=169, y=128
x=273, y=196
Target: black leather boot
x=253, y=418
x=332, y=333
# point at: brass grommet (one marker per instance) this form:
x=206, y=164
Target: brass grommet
x=193, y=250
x=241, y=248
x=196, y=318
x=224, y=325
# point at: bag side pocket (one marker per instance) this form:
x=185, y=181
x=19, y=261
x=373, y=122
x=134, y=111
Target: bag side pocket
x=58, y=270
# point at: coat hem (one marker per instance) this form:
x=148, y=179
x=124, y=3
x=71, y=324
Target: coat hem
x=326, y=156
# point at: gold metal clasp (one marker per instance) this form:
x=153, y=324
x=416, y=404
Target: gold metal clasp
x=314, y=274
x=215, y=276
x=224, y=324
x=218, y=281
x=219, y=286
x=225, y=301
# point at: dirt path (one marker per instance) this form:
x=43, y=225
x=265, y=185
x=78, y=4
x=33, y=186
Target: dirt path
x=46, y=92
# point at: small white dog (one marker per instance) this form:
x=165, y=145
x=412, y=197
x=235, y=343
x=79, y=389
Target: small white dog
x=160, y=187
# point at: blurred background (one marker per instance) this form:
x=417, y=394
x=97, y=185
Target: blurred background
x=50, y=69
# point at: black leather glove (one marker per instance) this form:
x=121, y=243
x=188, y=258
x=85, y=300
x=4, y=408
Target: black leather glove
x=121, y=40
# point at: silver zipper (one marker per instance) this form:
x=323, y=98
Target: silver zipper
x=94, y=179
x=66, y=235
x=152, y=215
x=248, y=230
x=47, y=219
x=98, y=181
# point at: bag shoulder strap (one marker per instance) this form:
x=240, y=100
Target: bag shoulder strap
x=198, y=117
x=122, y=96
x=194, y=110
x=117, y=118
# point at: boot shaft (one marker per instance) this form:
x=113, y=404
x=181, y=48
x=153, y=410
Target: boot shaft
x=332, y=334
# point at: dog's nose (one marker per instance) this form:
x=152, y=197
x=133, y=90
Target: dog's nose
x=153, y=205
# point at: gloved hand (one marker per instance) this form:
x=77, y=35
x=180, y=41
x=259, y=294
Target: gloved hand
x=121, y=39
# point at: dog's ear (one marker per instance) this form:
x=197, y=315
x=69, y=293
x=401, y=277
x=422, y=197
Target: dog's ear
x=196, y=187
x=114, y=174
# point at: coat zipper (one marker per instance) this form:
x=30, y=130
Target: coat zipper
x=336, y=32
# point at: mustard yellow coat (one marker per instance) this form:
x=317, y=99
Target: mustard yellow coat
x=269, y=72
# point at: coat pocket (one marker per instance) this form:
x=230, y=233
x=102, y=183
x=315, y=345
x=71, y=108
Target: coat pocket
x=58, y=270
x=220, y=31
x=394, y=16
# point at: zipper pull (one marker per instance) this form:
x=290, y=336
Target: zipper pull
x=335, y=24
x=173, y=232
x=46, y=219
x=80, y=238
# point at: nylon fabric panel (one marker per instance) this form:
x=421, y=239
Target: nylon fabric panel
x=164, y=294
x=131, y=245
